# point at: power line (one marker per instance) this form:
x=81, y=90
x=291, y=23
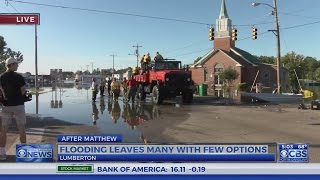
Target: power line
x=109, y=12
x=182, y=48
x=195, y=52
x=301, y=25
x=121, y=13
x=290, y=14
x=7, y=2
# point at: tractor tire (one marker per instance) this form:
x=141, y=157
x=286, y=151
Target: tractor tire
x=141, y=95
x=187, y=96
x=156, y=95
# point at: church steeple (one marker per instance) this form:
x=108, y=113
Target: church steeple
x=223, y=30
x=223, y=11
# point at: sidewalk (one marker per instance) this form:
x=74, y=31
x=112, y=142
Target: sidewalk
x=42, y=131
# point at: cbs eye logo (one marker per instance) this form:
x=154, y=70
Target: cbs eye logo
x=284, y=153
x=22, y=153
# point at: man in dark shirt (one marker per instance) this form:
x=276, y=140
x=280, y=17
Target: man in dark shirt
x=109, y=86
x=13, y=88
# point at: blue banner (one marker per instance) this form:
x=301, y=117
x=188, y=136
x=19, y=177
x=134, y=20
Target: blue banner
x=161, y=177
x=167, y=157
x=102, y=138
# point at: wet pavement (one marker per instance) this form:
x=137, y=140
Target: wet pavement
x=206, y=120
x=75, y=106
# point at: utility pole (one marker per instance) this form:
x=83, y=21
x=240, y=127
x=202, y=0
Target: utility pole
x=113, y=55
x=91, y=67
x=278, y=46
x=137, y=53
x=87, y=67
x=276, y=32
x=36, y=59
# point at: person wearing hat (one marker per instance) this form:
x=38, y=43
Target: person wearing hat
x=13, y=86
x=158, y=57
x=146, y=61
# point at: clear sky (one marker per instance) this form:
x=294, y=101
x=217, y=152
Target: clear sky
x=71, y=39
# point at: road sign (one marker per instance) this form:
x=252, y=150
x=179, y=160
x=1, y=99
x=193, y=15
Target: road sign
x=20, y=18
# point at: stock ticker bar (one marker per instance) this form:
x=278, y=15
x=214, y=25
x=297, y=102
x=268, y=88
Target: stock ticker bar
x=127, y=168
x=20, y=18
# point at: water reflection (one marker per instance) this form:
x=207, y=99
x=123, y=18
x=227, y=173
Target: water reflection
x=115, y=112
x=102, y=105
x=75, y=107
x=55, y=103
x=37, y=103
x=137, y=114
x=109, y=105
x=95, y=113
x=147, y=111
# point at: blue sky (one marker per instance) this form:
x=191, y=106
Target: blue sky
x=71, y=39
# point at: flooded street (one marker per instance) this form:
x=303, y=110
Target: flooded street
x=206, y=120
x=107, y=116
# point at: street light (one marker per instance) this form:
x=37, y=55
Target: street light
x=277, y=33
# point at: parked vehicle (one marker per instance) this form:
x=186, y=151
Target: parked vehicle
x=315, y=105
x=165, y=79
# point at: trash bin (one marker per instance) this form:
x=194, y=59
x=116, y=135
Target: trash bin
x=203, y=89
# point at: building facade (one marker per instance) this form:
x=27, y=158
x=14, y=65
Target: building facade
x=225, y=55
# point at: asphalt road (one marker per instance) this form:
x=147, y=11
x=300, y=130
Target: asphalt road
x=207, y=120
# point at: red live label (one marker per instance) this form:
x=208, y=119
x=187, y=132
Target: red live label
x=20, y=19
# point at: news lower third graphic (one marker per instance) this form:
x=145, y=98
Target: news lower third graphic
x=181, y=153
x=34, y=153
x=294, y=153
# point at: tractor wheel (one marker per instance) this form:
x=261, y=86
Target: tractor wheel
x=187, y=96
x=141, y=95
x=156, y=95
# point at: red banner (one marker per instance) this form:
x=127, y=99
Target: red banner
x=20, y=19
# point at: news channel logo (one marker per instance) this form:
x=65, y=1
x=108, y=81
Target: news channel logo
x=34, y=153
x=293, y=153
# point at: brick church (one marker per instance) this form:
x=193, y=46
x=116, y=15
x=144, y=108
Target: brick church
x=226, y=55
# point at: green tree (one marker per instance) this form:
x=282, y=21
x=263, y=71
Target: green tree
x=317, y=73
x=2, y=44
x=310, y=64
x=294, y=62
x=228, y=76
x=79, y=72
x=266, y=59
x=196, y=60
x=6, y=52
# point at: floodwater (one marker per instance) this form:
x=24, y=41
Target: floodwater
x=110, y=117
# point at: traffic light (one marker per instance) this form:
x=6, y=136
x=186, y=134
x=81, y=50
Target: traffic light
x=254, y=33
x=211, y=34
x=234, y=34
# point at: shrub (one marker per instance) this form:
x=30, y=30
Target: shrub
x=244, y=87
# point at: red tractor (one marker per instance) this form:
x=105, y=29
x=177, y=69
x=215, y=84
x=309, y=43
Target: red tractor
x=165, y=79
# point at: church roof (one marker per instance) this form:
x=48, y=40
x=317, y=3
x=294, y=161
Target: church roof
x=246, y=55
x=240, y=56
